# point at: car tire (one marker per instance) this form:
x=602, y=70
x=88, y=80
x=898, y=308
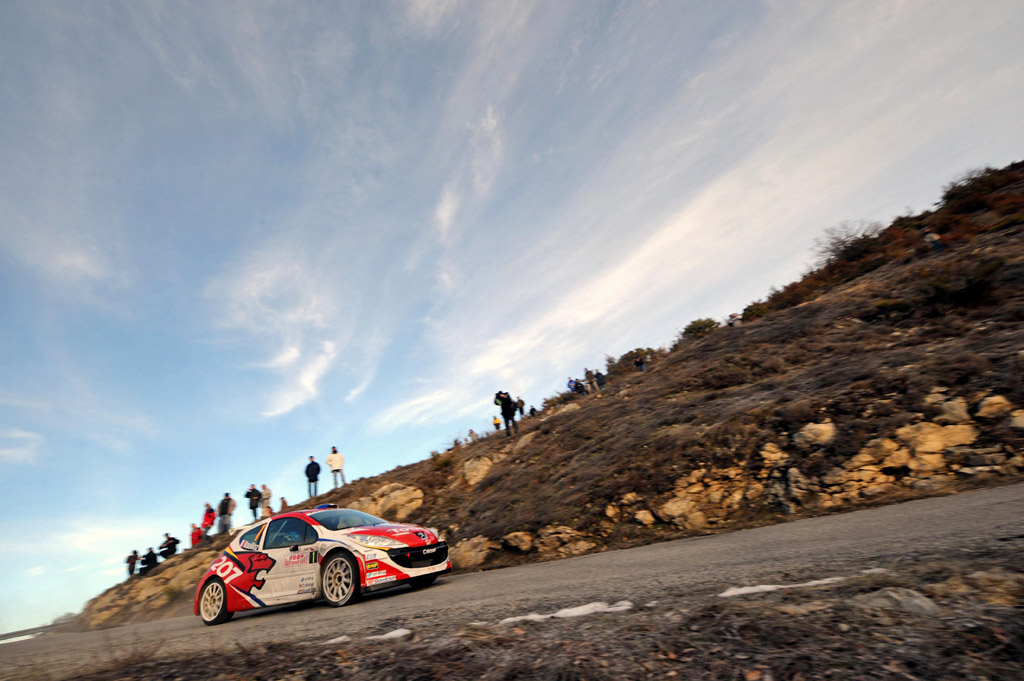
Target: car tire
x=213, y=603
x=422, y=582
x=339, y=580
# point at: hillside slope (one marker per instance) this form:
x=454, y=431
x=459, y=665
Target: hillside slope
x=894, y=374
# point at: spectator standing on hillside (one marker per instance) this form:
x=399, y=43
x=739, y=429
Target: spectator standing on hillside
x=253, y=495
x=571, y=384
x=224, y=510
x=312, y=475
x=148, y=562
x=337, y=463
x=734, y=320
x=283, y=504
x=169, y=547
x=933, y=240
x=508, y=411
x=197, y=535
x=265, y=496
x=520, y=405
x=471, y=436
x=132, y=559
x=600, y=379
x=497, y=423
x=591, y=381
x=532, y=412
x=209, y=515
x=580, y=387
x=639, y=364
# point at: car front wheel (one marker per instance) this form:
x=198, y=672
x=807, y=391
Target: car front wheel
x=340, y=580
x=213, y=603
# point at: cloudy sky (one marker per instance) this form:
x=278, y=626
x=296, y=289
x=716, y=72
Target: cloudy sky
x=233, y=234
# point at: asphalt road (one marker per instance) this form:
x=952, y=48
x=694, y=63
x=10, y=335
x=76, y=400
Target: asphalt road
x=697, y=568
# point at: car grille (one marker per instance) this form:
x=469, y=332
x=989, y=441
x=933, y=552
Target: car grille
x=421, y=556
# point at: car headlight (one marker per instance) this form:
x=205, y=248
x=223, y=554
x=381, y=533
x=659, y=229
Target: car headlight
x=377, y=541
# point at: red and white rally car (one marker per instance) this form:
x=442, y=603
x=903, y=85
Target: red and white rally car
x=336, y=554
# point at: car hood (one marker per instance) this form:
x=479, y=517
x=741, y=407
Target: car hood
x=410, y=535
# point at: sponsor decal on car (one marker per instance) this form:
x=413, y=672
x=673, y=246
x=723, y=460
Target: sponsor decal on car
x=297, y=559
x=378, y=573
x=430, y=550
x=381, y=580
x=370, y=555
x=246, y=572
x=372, y=566
x=249, y=545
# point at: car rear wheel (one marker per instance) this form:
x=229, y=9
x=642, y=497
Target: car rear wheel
x=420, y=582
x=213, y=603
x=340, y=580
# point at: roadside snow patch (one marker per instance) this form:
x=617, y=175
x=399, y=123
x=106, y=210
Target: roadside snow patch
x=579, y=611
x=340, y=639
x=762, y=588
x=397, y=633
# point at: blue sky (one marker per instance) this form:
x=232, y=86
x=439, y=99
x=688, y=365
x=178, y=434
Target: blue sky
x=233, y=235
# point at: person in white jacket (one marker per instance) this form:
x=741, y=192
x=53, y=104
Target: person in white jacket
x=336, y=461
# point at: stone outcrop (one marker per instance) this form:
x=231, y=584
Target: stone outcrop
x=520, y=541
x=393, y=501
x=472, y=553
x=815, y=435
x=562, y=541
x=994, y=407
x=931, y=438
x=475, y=470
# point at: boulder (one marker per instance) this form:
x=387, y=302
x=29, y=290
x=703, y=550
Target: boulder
x=520, y=541
x=875, y=451
x=524, y=441
x=896, y=598
x=1016, y=419
x=815, y=435
x=612, y=511
x=930, y=438
x=475, y=470
x=393, y=501
x=773, y=456
x=953, y=412
x=644, y=517
x=472, y=553
x=630, y=498
x=994, y=407
x=562, y=540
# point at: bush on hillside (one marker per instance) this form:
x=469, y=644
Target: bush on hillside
x=699, y=328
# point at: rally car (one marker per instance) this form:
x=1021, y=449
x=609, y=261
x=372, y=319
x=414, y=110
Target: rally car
x=334, y=554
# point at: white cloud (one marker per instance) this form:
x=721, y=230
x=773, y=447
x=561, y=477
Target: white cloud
x=37, y=571
x=446, y=209
x=19, y=446
x=306, y=385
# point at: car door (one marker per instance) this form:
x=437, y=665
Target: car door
x=291, y=543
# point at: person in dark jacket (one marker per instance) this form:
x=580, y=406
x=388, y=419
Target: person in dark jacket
x=520, y=405
x=169, y=547
x=132, y=559
x=508, y=411
x=254, y=496
x=312, y=475
x=148, y=562
x=533, y=411
x=601, y=379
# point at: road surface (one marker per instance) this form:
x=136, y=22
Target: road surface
x=697, y=568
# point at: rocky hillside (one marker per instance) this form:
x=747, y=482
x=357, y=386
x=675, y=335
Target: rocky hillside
x=889, y=372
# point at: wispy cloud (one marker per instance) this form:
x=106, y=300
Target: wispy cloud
x=37, y=571
x=19, y=446
x=306, y=385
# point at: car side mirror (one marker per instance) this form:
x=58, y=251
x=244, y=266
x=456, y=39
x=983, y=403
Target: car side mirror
x=293, y=548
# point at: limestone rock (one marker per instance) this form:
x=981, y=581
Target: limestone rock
x=562, y=540
x=524, y=441
x=994, y=407
x=773, y=456
x=932, y=483
x=815, y=435
x=471, y=553
x=896, y=598
x=953, y=412
x=644, y=517
x=520, y=541
x=475, y=470
x=630, y=498
x=931, y=438
x=612, y=511
x=1016, y=419
x=873, y=452
x=393, y=501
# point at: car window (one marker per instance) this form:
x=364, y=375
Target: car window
x=344, y=518
x=285, y=532
x=249, y=541
x=311, y=535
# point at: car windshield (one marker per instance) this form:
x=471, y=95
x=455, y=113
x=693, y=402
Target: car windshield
x=344, y=518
